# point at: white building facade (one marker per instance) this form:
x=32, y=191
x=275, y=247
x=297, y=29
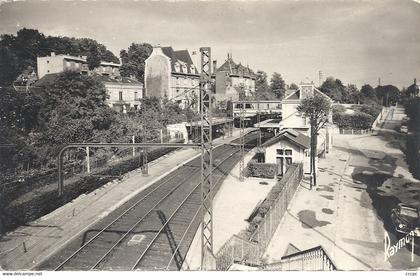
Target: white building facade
x=172, y=74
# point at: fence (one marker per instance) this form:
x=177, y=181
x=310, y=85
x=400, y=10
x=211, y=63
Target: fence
x=355, y=131
x=249, y=251
x=268, y=225
x=315, y=258
x=237, y=249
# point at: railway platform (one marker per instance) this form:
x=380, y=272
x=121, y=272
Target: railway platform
x=28, y=246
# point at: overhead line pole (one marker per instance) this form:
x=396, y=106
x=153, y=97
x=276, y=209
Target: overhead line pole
x=241, y=141
x=206, y=157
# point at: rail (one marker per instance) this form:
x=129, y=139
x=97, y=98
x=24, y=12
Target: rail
x=312, y=259
x=118, y=242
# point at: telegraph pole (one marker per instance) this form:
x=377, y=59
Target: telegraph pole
x=206, y=157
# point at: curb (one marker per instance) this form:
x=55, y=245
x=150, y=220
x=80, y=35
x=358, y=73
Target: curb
x=112, y=208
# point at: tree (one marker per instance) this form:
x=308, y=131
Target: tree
x=387, y=94
x=352, y=94
x=368, y=93
x=412, y=91
x=293, y=86
x=277, y=86
x=315, y=108
x=262, y=90
x=19, y=52
x=333, y=88
x=93, y=58
x=133, y=60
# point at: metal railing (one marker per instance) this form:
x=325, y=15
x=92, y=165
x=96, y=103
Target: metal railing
x=237, y=250
x=313, y=259
x=355, y=131
x=268, y=225
x=249, y=251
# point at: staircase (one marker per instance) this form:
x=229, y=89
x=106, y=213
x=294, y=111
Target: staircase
x=313, y=259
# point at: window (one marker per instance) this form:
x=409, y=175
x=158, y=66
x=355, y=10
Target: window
x=177, y=81
x=136, y=107
x=192, y=69
x=177, y=67
x=283, y=160
x=48, y=61
x=120, y=96
x=68, y=63
x=136, y=95
x=287, y=152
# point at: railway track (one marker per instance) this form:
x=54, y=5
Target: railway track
x=153, y=231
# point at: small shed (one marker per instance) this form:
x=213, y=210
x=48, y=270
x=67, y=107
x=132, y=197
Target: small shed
x=287, y=147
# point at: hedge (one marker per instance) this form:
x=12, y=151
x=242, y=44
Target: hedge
x=357, y=120
x=262, y=170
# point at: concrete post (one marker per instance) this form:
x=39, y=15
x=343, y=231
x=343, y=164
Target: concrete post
x=134, y=149
x=87, y=160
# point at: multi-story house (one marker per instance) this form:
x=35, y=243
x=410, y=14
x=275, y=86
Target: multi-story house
x=124, y=94
x=172, y=74
x=232, y=80
x=59, y=63
x=291, y=140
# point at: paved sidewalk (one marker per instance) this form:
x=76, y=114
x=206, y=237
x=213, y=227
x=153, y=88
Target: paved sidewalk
x=311, y=217
x=29, y=245
x=348, y=213
x=232, y=205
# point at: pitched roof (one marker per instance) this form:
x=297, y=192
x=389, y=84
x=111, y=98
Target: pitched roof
x=124, y=80
x=180, y=56
x=46, y=80
x=49, y=79
x=291, y=135
x=295, y=95
x=236, y=69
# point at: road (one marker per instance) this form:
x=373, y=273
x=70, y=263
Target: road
x=348, y=213
x=153, y=230
x=378, y=179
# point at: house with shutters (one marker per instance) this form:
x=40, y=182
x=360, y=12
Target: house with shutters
x=232, y=79
x=172, y=74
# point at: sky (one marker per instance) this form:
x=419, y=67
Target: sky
x=356, y=41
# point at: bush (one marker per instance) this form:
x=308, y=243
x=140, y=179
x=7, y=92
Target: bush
x=357, y=120
x=372, y=110
x=43, y=201
x=338, y=109
x=262, y=170
x=413, y=154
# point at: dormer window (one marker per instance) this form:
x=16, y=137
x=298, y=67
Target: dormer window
x=184, y=68
x=192, y=69
x=177, y=67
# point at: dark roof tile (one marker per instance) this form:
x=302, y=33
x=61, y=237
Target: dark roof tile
x=293, y=136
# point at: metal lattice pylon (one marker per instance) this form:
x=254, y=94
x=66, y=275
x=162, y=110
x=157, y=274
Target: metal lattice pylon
x=206, y=155
x=241, y=140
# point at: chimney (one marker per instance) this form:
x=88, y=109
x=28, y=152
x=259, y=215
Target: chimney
x=53, y=54
x=214, y=66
